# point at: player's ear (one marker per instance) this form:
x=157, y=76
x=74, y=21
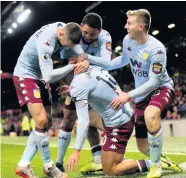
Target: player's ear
x=81, y=25
x=141, y=27
x=60, y=32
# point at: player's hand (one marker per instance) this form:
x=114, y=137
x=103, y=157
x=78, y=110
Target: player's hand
x=73, y=161
x=73, y=60
x=81, y=67
x=82, y=57
x=63, y=90
x=118, y=102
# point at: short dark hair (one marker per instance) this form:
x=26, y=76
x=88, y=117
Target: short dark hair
x=93, y=20
x=74, y=32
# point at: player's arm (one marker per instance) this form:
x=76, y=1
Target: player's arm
x=120, y=61
x=45, y=48
x=105, y=52
x=80, y=97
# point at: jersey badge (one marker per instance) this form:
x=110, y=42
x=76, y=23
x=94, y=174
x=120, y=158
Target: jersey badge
x=145, y=55
x=95, y=44
x=157, y=68
x=37, y=93
x=108, y=46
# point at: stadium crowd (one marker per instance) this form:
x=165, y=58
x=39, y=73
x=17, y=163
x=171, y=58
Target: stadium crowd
x=13, y=123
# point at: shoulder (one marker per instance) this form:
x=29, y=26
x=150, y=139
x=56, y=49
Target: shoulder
x=78, y=84
x=104, y=36
x=127, y=40
x=155, y=44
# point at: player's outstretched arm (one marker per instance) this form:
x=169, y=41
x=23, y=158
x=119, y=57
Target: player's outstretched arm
x=80, y=96
x=123, y=97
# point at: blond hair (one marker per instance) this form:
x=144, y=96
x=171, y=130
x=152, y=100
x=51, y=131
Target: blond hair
x=143, y=14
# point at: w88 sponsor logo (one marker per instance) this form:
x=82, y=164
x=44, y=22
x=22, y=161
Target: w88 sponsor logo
x=140, y=73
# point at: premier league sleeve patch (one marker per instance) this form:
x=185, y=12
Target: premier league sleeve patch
x=108, y=46
x=45, y=57
x=157, y=68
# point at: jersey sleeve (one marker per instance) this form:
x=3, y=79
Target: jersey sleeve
x=80, y=96
x=45, y=46
x=158, y=62
x=120, y=61
x=105, y=51
x=77, y=50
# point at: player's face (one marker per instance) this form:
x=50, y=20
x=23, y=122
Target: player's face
x=133, y=27
x=89, y=34
x=66, y=42
x=64, y=39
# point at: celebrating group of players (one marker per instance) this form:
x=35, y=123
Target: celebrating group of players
x=94, y=97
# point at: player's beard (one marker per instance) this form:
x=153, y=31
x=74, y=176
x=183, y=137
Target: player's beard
x=86, y=42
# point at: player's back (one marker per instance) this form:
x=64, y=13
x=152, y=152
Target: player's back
x=99, y=86
x=28, y=62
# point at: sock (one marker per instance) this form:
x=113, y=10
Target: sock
x=148, y=163
x=29, y=151
x=96, y=153
x=64, y=139
x=42, y=143
x=155, y=143
x=143, y=165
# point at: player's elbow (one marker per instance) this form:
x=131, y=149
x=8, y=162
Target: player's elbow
x=47, y=79
x=155, y=82
x=106, y=63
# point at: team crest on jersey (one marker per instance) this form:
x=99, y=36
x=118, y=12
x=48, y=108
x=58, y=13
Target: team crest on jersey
x=145, y=55
x=108, y=46
x=95, y=44
x=45, y=57
x=37, y=93
x=157, y=68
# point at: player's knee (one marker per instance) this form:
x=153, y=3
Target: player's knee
x=41, y=120
x=151, y=114
x=110, y=171
x=141, y=149
x=68, y=123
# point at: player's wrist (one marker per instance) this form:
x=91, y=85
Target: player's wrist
x=129, y=97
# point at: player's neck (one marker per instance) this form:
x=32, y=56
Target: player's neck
x=142, y=39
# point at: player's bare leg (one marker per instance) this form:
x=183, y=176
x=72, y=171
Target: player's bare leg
x=43, y=123
x=116, y=166
x=152, y=116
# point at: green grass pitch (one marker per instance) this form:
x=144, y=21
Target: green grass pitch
x=12, y=149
